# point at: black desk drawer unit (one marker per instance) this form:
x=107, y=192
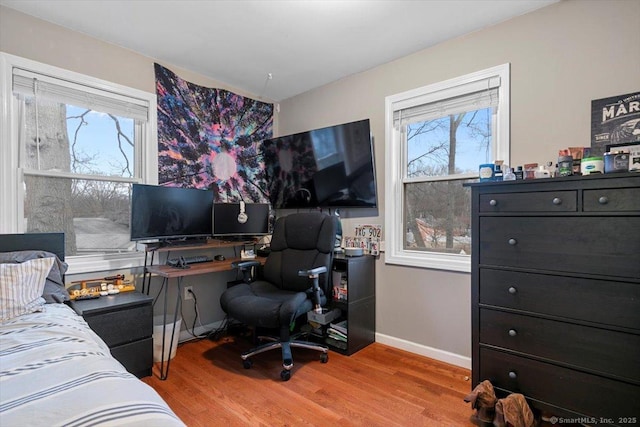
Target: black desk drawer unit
x=360, y=308
x=556, y=293
x=125, y=323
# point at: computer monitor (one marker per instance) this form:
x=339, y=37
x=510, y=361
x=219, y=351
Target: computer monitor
x=240, y=219
x=170, y=214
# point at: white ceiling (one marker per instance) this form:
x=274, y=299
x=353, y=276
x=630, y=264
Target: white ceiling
x=301, y=44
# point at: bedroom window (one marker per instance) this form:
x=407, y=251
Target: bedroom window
x=437, y=136
x=74, y=146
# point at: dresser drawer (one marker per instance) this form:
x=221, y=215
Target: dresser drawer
x=599, y=301
x=122, y=326
x=606, y=246
x=576, y=391
x=612, y=200
x=544, y=201
x=605, y=351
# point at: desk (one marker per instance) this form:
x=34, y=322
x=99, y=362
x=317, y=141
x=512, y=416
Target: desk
x=168, y=272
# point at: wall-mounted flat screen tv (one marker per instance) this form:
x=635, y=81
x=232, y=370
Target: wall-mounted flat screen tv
x=332, y=167
x=170, y=213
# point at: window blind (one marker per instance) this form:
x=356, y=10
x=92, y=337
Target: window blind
x=46, y=87
x=468, y=97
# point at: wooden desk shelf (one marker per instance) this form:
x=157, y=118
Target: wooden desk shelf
x=196, y=269
x=210, y=244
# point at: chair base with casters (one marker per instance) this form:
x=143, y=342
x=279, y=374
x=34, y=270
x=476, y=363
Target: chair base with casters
x=287, y=357
x=293, y=281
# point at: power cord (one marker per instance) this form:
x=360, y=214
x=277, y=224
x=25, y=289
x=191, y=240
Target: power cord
x=192, y=332
x=220, y=331
x=214, y=334
x=159, y=293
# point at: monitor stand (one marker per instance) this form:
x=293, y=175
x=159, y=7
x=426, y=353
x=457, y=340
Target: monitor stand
x=234, y=238
x=190, y=241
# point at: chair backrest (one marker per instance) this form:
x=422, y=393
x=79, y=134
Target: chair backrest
x=301, y=241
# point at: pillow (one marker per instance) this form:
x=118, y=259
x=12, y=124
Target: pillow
x=21, y=287
x=54, y=289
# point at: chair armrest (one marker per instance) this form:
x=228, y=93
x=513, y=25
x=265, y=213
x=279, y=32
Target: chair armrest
x=314, y=272
x=314, y=275
x=242, y=265
x=247, y=269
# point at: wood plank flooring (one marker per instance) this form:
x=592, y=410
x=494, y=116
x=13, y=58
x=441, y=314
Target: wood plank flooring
x=377, y=386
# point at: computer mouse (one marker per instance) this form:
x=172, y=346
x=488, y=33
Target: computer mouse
x=219, y=257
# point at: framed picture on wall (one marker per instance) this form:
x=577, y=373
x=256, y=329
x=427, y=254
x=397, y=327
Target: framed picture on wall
x=614, y=121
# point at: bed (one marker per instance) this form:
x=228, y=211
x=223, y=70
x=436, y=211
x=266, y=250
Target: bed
x=54, y=370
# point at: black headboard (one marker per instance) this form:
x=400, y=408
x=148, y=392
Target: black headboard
x=50, y=242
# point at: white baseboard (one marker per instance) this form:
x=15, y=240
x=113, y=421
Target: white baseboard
x=423, y=350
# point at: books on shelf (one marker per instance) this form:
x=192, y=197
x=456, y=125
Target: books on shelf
x=340, y=284
x=337, y=332
x=340, y=326
x=336, y=343
x=337, y=335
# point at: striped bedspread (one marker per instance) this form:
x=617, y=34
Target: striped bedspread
x=55, y=371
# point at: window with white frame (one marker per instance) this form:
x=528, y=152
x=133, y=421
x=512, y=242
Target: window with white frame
x=437, y=136
x=72, y=146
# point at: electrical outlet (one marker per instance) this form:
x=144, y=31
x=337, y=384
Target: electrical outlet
x=187, y=293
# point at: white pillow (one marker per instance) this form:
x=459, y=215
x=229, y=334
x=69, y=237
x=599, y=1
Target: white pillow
x=21, y=287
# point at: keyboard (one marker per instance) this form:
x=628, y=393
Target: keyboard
x=174, y=262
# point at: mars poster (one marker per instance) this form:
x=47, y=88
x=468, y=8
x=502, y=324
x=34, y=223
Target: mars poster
x=614, y=120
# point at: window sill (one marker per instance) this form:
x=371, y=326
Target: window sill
x=90, y=264
x=448, y=262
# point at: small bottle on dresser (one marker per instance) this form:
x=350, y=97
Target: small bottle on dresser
x=541, y=172
x=519, y=173
x=497, y=173
x=509, y=175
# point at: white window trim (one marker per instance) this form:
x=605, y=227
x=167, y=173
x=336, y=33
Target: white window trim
x=11, y=177
x=394, y=204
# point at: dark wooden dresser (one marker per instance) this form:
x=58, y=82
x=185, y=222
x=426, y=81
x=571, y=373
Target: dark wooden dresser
x=556, y=294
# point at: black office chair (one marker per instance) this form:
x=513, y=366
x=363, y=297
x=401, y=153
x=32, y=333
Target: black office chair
x=295, y=279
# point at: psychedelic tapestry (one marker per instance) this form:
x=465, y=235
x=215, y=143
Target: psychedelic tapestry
x=208, y=138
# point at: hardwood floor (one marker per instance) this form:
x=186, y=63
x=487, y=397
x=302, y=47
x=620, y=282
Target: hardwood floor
x=377, y=386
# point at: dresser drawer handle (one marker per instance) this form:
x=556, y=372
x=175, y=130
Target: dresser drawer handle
x=493, y=202
x=603, y=200
x=513, y=375
x=512, y=290
x=557, y=201
x=513, y=332
x=513, y=242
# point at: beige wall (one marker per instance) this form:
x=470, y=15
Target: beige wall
x=562, y=57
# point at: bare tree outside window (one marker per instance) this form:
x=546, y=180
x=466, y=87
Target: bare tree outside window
x=436, y=205
x=93, y=213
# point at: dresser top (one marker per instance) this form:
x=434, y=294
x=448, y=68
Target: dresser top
x=109, y=302
x=628, y=179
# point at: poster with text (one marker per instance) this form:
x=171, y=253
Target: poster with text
x=614, y=120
